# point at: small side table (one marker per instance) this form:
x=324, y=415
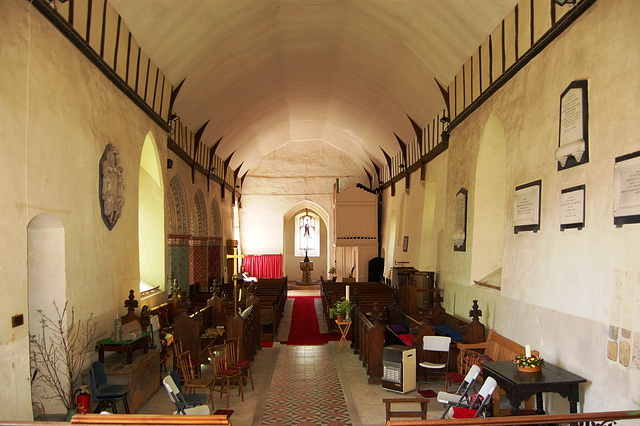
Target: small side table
x=127, y=346
x=344, y=327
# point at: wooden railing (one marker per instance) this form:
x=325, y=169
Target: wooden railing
x=595, y=419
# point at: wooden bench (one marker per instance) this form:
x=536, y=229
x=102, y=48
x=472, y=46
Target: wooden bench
x=421, y=414
x=496, y=348
x=148, y=419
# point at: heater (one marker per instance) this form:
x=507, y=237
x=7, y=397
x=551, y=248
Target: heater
x=399, y=368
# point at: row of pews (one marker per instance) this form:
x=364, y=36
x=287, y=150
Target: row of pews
x=379, y=320
x=197, y=319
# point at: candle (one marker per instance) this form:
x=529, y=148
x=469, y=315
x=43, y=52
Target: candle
x=527, y=351
x=347, y=289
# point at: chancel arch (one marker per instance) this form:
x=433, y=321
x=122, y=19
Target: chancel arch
x=179, y=235
x=47, y=284
x=292, y=255
x=489, y=205
x=151, y=218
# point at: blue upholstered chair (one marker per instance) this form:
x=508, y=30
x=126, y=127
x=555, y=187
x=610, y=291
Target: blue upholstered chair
x=105, y=394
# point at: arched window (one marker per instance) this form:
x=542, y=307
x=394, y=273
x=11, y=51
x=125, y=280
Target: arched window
x=308, y=234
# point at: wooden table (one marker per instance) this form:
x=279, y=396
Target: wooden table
x=127, y=346
x=521, y=386
x=344, y=327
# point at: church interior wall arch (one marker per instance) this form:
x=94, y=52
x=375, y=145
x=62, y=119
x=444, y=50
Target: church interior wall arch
x=290, y=262
x=178, y=239
x=489, y=205
x=215, y=243
x=151, y=237
x=46, y=283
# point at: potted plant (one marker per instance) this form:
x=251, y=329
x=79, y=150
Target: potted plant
x=340, y=309
x=58, y=354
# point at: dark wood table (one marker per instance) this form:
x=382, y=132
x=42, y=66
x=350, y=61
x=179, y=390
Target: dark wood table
x=522, y=386
x=127, y=346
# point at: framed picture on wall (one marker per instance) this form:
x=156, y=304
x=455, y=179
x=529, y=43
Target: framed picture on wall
x=527, y=207
x=405, y=243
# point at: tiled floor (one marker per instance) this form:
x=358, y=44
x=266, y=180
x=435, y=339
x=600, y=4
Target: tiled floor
x=305, y=389
x=304, y=385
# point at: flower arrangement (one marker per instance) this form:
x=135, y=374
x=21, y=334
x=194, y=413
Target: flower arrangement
x=528, y=361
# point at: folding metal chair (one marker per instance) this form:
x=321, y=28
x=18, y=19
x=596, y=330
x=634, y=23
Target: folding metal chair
x=462, y=394
x=474, y=409
x=178, y=399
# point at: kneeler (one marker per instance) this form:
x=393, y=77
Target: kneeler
x=232, y=355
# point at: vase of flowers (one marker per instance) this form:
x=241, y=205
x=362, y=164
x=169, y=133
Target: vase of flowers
x=528, y=364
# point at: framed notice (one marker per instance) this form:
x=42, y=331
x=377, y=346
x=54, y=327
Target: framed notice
x=572, y=207
x=573, y=138
x=460, y=226
x=405, y=243
x=626, y=189
x=527, y=207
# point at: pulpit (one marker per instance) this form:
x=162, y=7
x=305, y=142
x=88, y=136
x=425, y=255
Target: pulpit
x=306, y=266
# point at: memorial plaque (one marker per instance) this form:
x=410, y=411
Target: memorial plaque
x=626, y=192
x=572, y=207
x=574, y=130
x=527, y=207
x=460, y=226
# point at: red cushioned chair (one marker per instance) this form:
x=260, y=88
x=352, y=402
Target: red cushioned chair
x=232, y=355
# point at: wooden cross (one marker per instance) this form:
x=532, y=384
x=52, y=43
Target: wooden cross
x=235, y=256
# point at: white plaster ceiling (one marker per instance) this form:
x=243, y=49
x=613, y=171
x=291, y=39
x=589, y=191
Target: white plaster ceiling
x=267, y=72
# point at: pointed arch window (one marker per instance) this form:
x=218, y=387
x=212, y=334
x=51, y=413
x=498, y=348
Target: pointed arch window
x=308, y=234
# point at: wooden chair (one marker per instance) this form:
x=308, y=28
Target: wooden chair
x=193, y=363
x=227, y=377
x=192, y=382
x=232, y=355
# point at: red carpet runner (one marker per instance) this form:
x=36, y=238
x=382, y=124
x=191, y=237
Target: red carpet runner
x=304, y=324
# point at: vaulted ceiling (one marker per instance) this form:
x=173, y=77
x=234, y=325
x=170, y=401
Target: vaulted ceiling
x=267, y=72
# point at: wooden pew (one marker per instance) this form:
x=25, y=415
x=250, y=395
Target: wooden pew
x=370, y=337
x=272, y=293
x=192, y=331
x=370, y=293
x=246, y=326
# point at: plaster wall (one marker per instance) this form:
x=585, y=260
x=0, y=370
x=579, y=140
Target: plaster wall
x=59, y=113
x=298, y=172
x=571, y=294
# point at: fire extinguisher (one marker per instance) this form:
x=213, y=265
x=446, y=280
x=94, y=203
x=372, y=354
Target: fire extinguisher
x=82, y=400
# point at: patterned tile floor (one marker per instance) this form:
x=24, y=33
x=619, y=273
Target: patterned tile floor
x=305, y=389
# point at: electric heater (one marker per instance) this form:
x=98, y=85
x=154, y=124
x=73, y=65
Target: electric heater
x=399, y=368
